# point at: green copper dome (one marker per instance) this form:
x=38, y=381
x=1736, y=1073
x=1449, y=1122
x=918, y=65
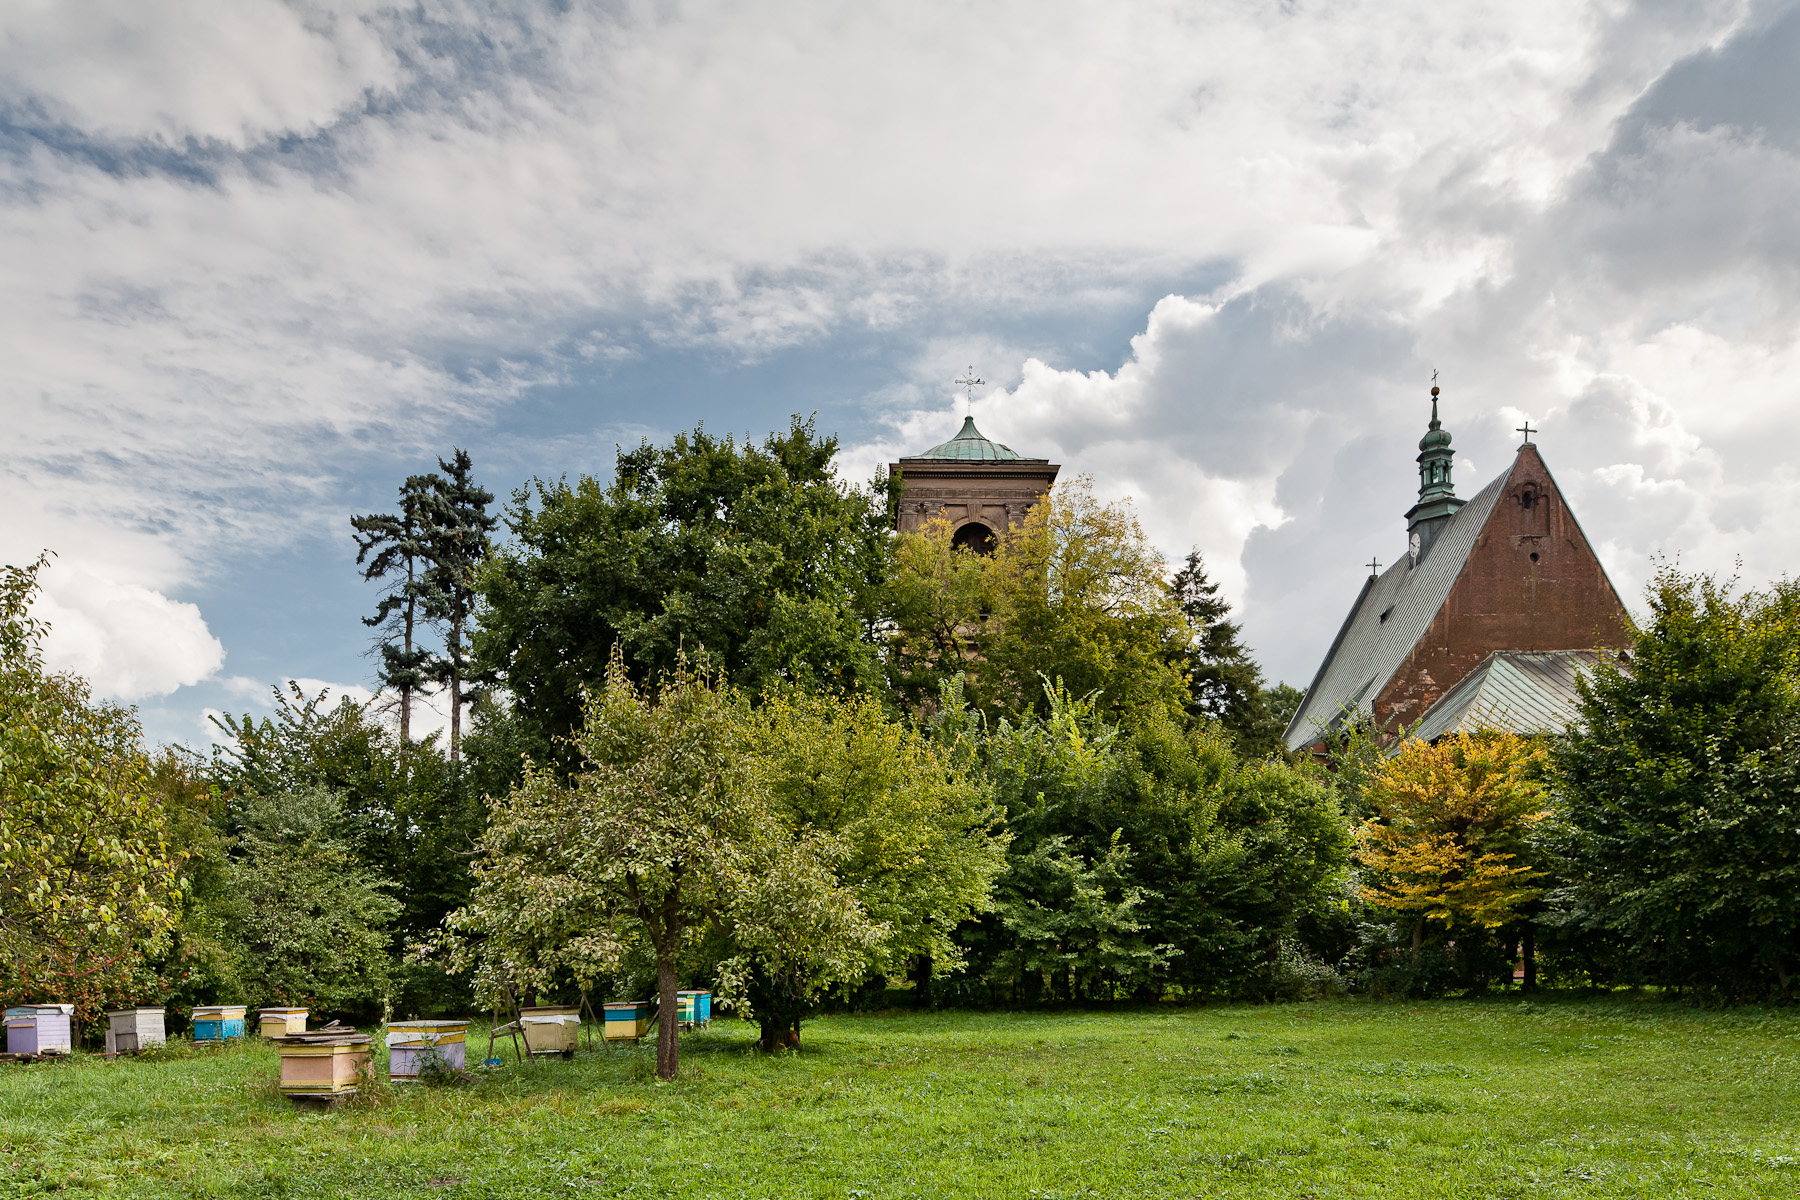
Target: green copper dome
x=969, y=446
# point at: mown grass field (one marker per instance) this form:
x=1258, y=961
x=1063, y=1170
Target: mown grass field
x=1476, y=1099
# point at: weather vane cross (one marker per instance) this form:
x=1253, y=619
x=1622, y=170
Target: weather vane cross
x=1527, y=430
x=971, y=383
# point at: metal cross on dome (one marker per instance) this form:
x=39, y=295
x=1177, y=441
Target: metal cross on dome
x=971, y=383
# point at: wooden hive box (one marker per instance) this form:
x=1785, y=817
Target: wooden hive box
x=323, y=1065
x=411, y=1044
x=628, y=1019
x=551, y=1029
x=40, y=1029
x=279, y=1022
x=695, y=1009
x=129, y=1030
x=216, y=1022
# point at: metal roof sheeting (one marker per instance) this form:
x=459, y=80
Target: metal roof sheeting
x=1518, y=691
x=1370, y=649
x=970, y=446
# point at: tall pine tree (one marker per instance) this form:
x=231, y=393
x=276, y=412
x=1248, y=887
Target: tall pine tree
x=394, y=545
x=456, y=540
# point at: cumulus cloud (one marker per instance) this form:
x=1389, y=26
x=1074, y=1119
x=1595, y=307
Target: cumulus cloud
x=248, y=251
x=128, y=640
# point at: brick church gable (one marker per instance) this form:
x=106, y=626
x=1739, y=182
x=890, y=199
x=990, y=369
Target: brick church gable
x=1510, y=570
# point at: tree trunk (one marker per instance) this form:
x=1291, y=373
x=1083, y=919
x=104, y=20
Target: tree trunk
x=668, y=1020
x=455, y=640
x=406, y=690
x=1781, y=976
x=1418, y=942
x=1528, y=950
x=921, y=996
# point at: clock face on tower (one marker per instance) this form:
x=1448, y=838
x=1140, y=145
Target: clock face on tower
x=1412, y=546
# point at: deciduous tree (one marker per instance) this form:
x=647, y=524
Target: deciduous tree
x=87, y=879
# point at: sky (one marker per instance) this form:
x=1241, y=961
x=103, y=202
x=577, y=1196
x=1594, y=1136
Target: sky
x=260, y=261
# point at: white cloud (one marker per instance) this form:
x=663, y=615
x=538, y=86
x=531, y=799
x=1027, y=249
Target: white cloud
x=128, y=640
x=243, y=249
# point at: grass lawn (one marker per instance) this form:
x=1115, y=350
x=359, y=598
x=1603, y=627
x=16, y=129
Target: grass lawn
x=1477, y=1099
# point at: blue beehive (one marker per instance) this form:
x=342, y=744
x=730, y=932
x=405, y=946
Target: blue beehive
x=695, y=1008
x=628, y=1019
x=216, y=1022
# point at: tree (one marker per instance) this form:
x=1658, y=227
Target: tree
x=87, y=880
x=661, y=830
x=1224, y=683
x=396, y=544
x=750, y=559
x=1074, y=593
x=404, y=812
x=456, y=542
x=1678, y=789
x=1451, y=835
x=308, y=922
x=917, y=840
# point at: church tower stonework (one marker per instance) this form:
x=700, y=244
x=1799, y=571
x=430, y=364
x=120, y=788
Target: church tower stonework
x=980, y=486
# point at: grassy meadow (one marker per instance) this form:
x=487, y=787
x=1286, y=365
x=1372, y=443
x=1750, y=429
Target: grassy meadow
x=1478, y=1099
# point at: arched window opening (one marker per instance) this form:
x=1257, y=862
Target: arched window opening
x=975, y=537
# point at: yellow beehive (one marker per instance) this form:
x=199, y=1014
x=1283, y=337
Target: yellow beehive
x=322, y=1066
x=551, y=1029
x=279, y=1022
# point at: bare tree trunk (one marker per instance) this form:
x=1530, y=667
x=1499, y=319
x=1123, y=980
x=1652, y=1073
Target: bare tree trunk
x=406, y=692
x=1528, y=949
x=668, y=1048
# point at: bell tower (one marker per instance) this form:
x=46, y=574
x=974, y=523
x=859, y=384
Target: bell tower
x=980, y=486
x=1437, y=495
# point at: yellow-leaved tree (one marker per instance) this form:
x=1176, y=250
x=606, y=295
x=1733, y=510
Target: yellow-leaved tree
x=1450, y=835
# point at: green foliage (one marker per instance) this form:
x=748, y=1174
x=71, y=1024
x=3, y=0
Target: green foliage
x=1224, y=683
x=87, y=878
x=1144, y=857
x=750, y=559
x=308, y=922
x=1679, y=791
x=1074, y=593
x=917, y=839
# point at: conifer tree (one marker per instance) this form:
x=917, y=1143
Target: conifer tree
x=456, y=540
x=395, y=544
x=1224, y=683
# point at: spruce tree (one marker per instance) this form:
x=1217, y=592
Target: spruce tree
x=456, y=540
x=394, y=544
x=1224, y=683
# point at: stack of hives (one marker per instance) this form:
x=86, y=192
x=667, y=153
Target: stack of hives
x=324, y=1065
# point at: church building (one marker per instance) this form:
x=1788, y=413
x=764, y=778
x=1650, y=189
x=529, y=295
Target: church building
x=981, y=487
x=1498, y=605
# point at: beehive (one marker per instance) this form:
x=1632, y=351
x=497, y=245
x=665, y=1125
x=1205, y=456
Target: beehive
x=550, y=1029
x=628, y=1019
x=279, y=1022
x=129, y=1030
x=695, y=1009
x=323, y=1064
x=216, y=1022
x=40, y=1029
x=411, y=1044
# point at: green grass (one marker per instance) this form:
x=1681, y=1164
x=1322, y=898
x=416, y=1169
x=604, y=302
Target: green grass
x=1477, y=1099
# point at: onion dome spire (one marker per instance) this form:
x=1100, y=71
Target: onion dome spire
x=1437, y=494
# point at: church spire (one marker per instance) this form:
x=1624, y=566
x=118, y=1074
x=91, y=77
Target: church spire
x=1437, y=495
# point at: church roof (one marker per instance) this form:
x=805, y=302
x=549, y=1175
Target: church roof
x=970, y=446
x=1388, y=619
x=1519, y=691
